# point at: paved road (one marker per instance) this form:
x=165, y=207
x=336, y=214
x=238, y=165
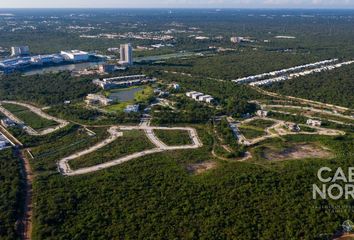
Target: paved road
x=39, y=112
x=64, y=167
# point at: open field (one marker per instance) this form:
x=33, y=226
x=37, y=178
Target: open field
x=260, y=123
x=130, y=142
x=47, y=151
x=298, y=151
x=251, y=132
x=173, y=137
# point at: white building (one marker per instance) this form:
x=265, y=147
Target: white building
x=200, y=97
x=75, y=55
x=196, y=95
x=20, y=51
x=189, y=94
x=261, y=113
x=94, y=99
x=131, y=108
x=45, y=59
x=203, y=98
x=209, y=100
x=126, y=54
x=176, y=86
x=314, y=123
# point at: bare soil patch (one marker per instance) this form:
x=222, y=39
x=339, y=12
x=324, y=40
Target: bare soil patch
x=199, y=168
x=299, y=151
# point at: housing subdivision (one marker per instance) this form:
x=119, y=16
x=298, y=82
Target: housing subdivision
x=123, y=81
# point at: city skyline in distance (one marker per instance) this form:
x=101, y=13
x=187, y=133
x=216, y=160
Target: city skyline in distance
x=331, y=4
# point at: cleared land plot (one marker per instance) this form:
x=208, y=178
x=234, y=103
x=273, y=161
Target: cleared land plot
x=29, y=118
x=251, y=132
x=311, y=113
x=131, y=142
x=62, y=144
x=261, y=123
x=199, y=168
x=298, y=151
x=255, y=128
x=173, y=137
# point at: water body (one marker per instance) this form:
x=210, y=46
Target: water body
x=165, y=57
x=125, y=95
x=56, y=69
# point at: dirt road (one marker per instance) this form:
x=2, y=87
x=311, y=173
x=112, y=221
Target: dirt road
x=26, y=220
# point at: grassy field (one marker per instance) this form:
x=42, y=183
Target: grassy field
x=29, y=118
x=131, y=142
x=63, y=143
x=251, y=132
x=174, y=137
x=260, y=123
x=255, y=128
x=314, y=114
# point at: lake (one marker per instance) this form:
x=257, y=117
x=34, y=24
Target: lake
x=125, y=95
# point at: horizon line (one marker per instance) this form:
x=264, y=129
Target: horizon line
x=184, y=8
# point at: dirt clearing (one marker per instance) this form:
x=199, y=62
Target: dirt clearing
x=299, y=151
x=199, y=168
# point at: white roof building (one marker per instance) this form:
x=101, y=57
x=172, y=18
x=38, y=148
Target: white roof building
x=75, y=55
x=196, y=95
x=314, y=123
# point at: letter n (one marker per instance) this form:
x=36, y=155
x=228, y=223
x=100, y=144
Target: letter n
x=316, y=189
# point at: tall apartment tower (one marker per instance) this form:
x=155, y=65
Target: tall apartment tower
x=20, y=51
x=126, y=54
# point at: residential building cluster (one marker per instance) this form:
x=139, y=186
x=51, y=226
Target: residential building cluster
x=262, y=76
x=200, y=97
x=296, y=75
x=122, y=81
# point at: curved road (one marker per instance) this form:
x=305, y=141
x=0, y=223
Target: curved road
x=39, y=112
x=65, y=169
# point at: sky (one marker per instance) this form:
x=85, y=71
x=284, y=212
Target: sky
x=176, y=3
